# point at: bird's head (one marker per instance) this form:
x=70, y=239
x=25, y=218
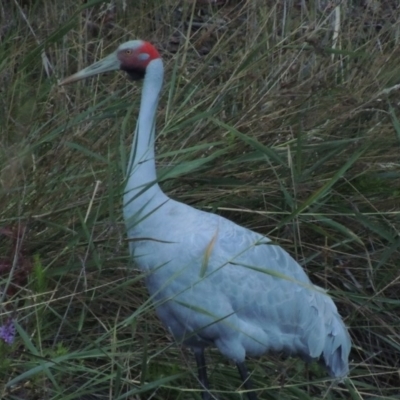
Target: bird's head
x=133, y=57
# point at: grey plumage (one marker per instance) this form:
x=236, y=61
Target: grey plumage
x=232, y=288
x=214, y=282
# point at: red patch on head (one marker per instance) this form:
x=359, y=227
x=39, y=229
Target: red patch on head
x=149, y=49
x=138, y=58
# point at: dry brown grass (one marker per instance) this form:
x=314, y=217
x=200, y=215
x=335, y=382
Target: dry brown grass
x=268, y=117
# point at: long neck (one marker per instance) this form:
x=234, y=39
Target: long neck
x=142, y=192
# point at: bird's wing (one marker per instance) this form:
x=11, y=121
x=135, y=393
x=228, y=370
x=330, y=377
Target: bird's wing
x=268, y=291
x=224, y=284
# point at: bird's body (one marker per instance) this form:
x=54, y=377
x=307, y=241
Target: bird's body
x=232, y=288
x=214, y=282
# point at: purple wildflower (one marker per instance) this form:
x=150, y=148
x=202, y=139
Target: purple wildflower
x=7, y=332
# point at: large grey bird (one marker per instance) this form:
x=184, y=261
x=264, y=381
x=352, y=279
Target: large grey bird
x=214, y=282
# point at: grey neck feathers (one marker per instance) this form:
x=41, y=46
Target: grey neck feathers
x=142, y=192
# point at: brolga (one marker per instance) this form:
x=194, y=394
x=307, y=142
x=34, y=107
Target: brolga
x=212, y=281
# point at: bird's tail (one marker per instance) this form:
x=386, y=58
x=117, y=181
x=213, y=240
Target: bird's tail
x=337, y=348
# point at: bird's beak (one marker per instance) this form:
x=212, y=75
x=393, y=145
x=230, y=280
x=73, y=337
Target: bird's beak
x=109, y=63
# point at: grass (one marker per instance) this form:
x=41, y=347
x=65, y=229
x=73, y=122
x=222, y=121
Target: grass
x=282, y=118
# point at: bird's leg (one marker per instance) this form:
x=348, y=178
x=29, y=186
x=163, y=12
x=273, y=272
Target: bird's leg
x=202, y=371
x=244, y=374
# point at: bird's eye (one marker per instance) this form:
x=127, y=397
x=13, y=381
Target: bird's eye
x=128, y=52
